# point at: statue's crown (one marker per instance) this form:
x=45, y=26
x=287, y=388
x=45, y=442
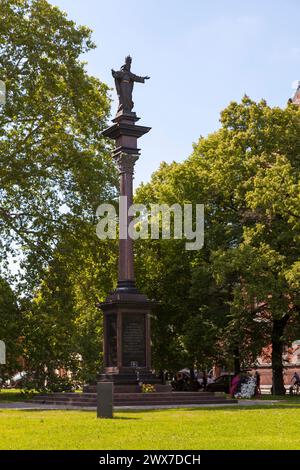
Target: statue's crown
x=128, y=58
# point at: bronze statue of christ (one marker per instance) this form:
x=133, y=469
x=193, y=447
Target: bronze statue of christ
x=124, y=80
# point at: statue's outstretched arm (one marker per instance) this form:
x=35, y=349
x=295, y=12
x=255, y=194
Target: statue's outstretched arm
x=139, y=79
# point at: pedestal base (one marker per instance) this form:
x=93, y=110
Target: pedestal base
x=127, y=349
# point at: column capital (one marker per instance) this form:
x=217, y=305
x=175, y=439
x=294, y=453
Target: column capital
x=126, y=162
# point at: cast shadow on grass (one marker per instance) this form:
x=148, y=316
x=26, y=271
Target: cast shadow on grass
x=220, y=408
x=65, y=410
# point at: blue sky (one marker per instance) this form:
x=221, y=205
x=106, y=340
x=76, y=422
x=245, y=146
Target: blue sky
x=200, y=55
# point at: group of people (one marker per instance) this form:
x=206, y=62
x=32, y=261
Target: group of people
x=184, y=382
x=205, y=379
x=251, y=384
x=245, y=385
x=242, y=385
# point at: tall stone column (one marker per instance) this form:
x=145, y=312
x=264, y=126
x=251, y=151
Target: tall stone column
x=127, y=343
x=126, y=163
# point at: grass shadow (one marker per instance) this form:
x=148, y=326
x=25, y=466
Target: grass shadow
x=234, y=408
x=35, y=410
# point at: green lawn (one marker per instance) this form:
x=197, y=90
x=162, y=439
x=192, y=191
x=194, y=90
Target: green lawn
x=287, y=398
x=265, y=427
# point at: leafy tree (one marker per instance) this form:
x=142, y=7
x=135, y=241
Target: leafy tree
x=254, y=172
x=168, y=282
x=55, y=170
x=181, y=280
x=10, y=330
x=63, y=328
x=53, y=159
x=247, y=175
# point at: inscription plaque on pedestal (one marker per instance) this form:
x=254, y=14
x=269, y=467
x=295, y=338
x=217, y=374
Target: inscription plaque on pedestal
x=111, y=347
x=133, y=339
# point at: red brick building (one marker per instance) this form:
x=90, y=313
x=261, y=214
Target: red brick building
x=296, y=98
x=291, y=362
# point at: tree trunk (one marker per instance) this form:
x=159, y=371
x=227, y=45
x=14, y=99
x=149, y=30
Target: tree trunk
x=277, y=351
x=236, y=359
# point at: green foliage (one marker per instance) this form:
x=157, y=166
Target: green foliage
x=55, y=170
x=148, y=388
x=246, y=278
x=10, y=330
x=53, y=159
x=166, y=280
x=63, y=324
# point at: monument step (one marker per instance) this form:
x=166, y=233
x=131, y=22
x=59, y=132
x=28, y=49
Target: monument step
x=164, y=394
x=83, y=404
x=133, y=399
x=177, y=402
x=134, y=396
x=128, y=399
x=170, y=400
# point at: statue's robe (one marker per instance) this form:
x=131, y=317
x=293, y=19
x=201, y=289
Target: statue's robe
x=124, y=81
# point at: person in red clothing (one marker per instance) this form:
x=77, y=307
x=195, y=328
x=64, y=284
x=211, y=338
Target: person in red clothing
x=234, y=384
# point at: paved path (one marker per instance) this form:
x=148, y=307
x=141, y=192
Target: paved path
x=36, y=406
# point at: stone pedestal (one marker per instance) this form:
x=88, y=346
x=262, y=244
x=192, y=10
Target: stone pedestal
x=127, y=343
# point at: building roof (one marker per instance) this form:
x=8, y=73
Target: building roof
x=296, y=98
